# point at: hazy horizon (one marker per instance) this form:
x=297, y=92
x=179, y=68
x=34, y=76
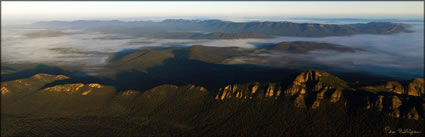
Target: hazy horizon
x=29, y=12
x=383, y=50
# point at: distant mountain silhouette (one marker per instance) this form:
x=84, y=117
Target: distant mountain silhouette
x=217, y=29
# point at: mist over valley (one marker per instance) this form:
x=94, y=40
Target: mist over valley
x=65, y=44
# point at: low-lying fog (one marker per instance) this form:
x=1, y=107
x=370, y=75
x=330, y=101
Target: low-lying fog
x=392, y=55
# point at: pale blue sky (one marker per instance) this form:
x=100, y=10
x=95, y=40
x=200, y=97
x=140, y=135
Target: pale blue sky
x=99, y=10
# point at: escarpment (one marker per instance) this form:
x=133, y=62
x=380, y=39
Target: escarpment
x=307, y=86
x=307, y=91
x=251, y=90
x=317, y=86
x=412, y=88
x=311, y=89
x=416, y=87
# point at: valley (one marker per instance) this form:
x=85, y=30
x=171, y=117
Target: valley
x=180, y=77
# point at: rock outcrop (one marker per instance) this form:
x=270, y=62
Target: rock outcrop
x=311, y=89
x=319, y=86
x=250, y=91
x=413, y=88
x=416, y=87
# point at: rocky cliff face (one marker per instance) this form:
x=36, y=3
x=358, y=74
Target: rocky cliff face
x=310, y=89
x=413, y=88
x=311, y=85
x=317, y=86
x=317, y=99
x=416, y=87
x=397, y=99
x=250, y=91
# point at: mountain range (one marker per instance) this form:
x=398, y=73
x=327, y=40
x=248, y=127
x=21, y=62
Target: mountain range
x=218, y=29
x=200, y=91
x=271, y=108
x=268, y=89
